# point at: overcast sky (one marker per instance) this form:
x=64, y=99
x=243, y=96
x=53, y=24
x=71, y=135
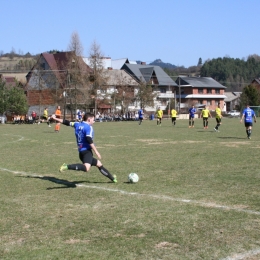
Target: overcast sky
x=175, y=31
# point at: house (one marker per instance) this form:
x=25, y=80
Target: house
x=231, y=101
x=50, y=80
x=200, y=92
x=162, y=84
x=256, y=82
x=10, y=81
x=117, y=80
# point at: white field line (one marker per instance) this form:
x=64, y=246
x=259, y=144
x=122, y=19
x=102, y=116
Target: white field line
x=244, y=255
x=194, y=202
x=234, y=257
x=20, y=139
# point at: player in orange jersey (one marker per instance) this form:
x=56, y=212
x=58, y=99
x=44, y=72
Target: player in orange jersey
x=57, y=115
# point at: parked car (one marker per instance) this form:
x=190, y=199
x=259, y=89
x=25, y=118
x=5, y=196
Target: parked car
x=234, y=113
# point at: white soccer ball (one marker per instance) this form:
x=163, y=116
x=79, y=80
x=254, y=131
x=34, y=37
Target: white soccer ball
x=133, y=178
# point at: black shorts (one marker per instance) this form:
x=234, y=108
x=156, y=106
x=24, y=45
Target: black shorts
x=44, y=117
x=87, y=157
x=247, y=124
x=218, y=120
x=205, y=118
x=191, y=117
x=173, y=118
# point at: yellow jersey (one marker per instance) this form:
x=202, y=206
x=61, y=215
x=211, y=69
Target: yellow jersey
x=45, y=113
x=205, y=112
x=218, y=112
x=159, y=113
x=173, y=113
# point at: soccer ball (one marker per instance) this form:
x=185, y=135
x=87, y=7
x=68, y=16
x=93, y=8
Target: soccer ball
x=133, y=178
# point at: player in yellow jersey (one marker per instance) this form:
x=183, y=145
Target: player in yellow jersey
x=205, y=113
x=159, y=116
x=218, y=118
x=173, y=114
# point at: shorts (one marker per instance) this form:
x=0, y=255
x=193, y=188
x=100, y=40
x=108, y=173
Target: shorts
x=141, y=118
x=44, y=117
x=247, y=124
x=191, y=117
x=86, y=156
x=205, y=118
x=173, y=118
x=218, y=120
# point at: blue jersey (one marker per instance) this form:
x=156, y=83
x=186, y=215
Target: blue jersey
x=82, y=130
x=248, y=115
x=79, y=115
x=192, y=111
x=140, y=113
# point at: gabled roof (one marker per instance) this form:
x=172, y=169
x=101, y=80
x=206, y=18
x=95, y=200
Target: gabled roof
x=119, y=77
x=149, y=72
x=106, y=62
x=199, y=82
x=119, y=63
x=230, y=96
x=59, y=62
x=256, y=80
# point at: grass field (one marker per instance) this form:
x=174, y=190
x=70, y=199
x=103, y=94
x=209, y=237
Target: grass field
x=197, y=198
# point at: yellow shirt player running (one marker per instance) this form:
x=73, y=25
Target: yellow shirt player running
x=218, y=118
x=173, y=114
x=159, y=116
x=205, y=113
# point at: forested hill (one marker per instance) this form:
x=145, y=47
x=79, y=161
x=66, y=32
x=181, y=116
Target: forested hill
x=232, y=73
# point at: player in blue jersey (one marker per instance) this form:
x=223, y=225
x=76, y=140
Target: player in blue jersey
x=84, y=133
x=140, y=116
x=192, y=112
x=248, y=115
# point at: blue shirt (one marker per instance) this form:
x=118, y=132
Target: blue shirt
x=79, y=115
x=140, y=113
x=248, y=115
x=82, y=130
x=192, y=111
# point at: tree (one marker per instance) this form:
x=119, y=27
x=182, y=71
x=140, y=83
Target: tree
x=145, y=95
x=99, y=77
x=250, y=95
x=17, y=102
x=12, y=99
x=77, y=76
x=75, y=44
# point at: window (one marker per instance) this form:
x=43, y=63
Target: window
x=208, y=102
x=217, y=91
x=209, y=90
x=163, y=90
x=200, y=90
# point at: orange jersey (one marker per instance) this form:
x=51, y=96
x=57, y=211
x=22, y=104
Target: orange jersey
x=58, y=113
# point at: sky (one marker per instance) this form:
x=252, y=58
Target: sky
x=176, y=31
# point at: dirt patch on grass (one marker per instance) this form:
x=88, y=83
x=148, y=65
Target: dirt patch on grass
x=166, y=245
x=75, y=241
x=234, y=144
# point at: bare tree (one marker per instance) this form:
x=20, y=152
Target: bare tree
x=77, y=77
x=145, y=95
x=96, y=62
x=75, y=44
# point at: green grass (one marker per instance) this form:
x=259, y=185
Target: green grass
x=197, y=198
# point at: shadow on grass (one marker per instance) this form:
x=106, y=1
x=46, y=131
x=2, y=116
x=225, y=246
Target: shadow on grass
x=68, y=184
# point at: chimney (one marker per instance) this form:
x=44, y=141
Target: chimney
x=143, y=63
x=110, y=68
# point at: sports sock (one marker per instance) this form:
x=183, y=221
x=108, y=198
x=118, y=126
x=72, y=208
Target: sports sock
x=249, y=132
x=77, y=167
x=105, y=172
